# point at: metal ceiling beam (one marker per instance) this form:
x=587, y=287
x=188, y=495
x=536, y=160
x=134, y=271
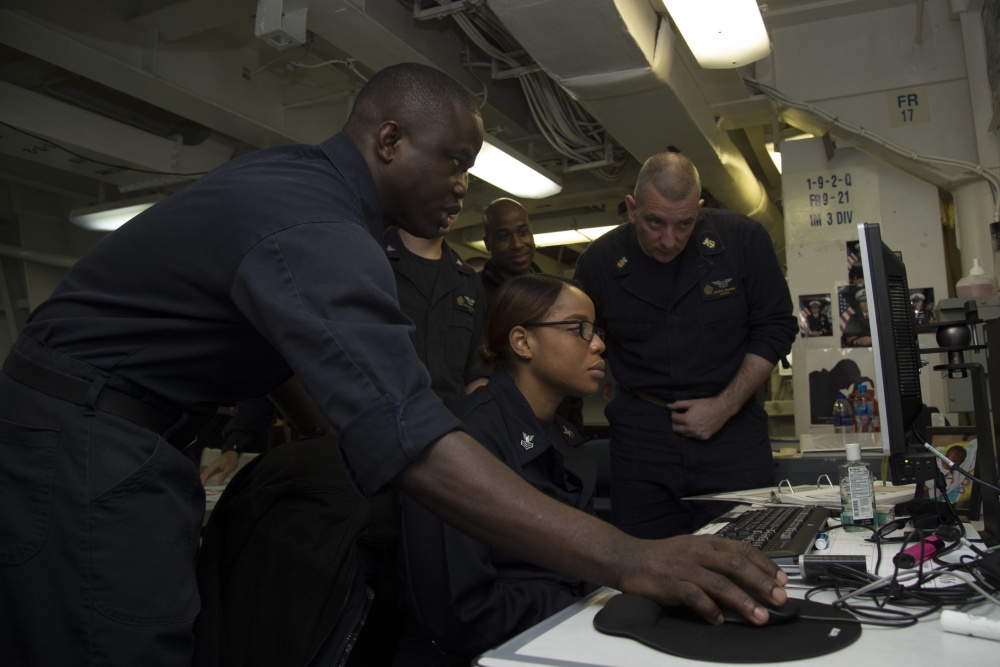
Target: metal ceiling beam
x=206, y=87
x=96, y=135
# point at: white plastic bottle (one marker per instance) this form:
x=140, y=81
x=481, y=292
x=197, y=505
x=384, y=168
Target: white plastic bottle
x=857, y=492
x=843, y=420
x=976, y=284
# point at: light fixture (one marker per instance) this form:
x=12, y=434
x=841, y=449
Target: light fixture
x=109, y=217
x=571, y=236
x=512, y=172
x=721, y=34
x=564, y=230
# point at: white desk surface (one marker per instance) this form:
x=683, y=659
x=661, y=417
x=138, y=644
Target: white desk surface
x=568, y=639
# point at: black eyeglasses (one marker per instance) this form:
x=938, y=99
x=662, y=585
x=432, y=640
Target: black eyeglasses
x=586, y=329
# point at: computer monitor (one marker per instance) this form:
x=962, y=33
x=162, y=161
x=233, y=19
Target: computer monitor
x=897, y=357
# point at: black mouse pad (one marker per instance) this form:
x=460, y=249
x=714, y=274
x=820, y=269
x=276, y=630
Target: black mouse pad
x=679, y=631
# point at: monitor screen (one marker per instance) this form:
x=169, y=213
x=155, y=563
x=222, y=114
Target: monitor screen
x=894, y=343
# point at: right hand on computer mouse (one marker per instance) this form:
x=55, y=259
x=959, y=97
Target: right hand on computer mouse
x=704, y=572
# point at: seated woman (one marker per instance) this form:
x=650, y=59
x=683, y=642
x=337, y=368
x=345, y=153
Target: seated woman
x=462, y=596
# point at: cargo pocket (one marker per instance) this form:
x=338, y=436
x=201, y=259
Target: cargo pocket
x=27, y=464
x=143, y=537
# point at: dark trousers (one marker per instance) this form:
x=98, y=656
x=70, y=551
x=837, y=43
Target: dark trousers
x=653, y=468
x=99, y=525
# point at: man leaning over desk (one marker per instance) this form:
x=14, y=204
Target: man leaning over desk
x=272, y=262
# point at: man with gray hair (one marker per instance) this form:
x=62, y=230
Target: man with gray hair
x=697, y=314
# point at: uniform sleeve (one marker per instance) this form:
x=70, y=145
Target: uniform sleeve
x=324, y=296
x=452, y=589
x=772, y=322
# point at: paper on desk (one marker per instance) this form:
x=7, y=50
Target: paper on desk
x=810, y=494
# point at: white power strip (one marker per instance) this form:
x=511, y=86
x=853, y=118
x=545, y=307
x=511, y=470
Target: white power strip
x=973, y=625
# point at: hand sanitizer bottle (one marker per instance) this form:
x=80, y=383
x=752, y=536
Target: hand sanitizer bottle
x=857, y=492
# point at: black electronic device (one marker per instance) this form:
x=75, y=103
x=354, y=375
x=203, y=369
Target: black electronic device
x=897, y=356
x=776, y=615
x=897, y=373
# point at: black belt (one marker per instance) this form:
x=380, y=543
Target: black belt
x=649, y=398
x=74, y=389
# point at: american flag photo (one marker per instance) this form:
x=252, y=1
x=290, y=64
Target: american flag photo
x=845, y=299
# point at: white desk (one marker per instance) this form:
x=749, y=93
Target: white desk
x=568, y=639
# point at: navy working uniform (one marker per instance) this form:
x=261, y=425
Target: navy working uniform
x=680, y=331
x=465, y=597
x=493, y=277
x=270, y=265
x=444, y=298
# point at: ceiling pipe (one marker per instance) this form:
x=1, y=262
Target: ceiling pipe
x=632, y=78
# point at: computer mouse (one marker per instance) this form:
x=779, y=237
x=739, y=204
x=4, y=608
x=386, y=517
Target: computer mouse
x=776, y=615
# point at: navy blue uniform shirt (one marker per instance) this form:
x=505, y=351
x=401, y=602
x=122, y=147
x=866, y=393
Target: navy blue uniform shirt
x=493, y=277
x=466, y=595
x=268, y=266
x=449, y=319
x=687, y=337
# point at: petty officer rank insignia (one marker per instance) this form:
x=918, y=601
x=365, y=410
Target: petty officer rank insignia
x=568, y=433
x=620, y=264
x=527, y=441
x=710, y=244
x=718, y=289
x=466, y=303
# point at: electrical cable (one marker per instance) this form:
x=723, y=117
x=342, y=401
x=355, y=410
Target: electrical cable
x=907, y=596
x=955, y=466
x=967, y=167
x=562, y=121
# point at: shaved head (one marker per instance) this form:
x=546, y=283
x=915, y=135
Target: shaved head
x=408, y=93
x=672, y=175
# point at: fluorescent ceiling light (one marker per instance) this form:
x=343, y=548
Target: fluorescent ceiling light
x=109, y=217
x=721, y=33
x=512, y=172
x=562, y=237
x=571, y=236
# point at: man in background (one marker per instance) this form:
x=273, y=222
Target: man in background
x=510, y=241
x=444, y=298
x=697, y=314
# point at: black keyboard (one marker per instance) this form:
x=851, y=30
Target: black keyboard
x=783, y=533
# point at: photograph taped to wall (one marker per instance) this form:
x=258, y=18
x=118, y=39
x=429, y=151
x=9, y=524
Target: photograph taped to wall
x=814, y=315
x=855, y=272
x=855, y=327
x=922, y=301
x=832, y=371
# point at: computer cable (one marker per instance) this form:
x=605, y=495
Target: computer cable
x=957, y=534
x=953, y=466
x=912, y=594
